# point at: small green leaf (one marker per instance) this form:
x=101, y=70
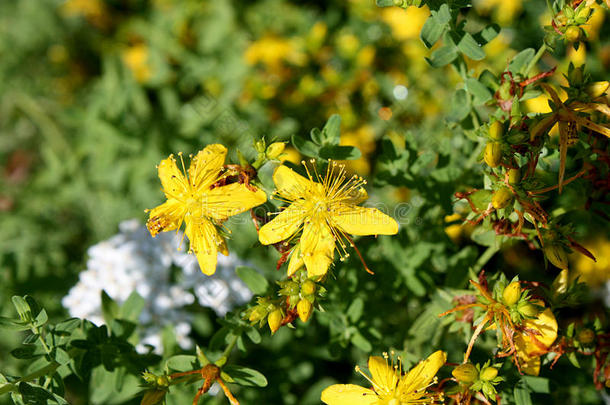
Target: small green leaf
x=12, y=324
x=22, y=307
x=253, y=279
x=361, y=342
x=182, y=362
x=537, y=384
x=480, y=93
x=443, y=56
x=131, y=308
x=460, y=106
x=332, y=130
x=337, y=152
x=307, y=148
x=520, y=61
x=487, y=34
x=246, y=376
x=522, y=396
x=354, y=311
x=435, y=25
x=469, y=47
x=110, y=308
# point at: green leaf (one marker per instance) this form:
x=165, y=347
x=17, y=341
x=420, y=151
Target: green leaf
x=253, y=334
x=131, y=308
x=537, y=384
x=110, y=308
x=520, y=61
x=26, y=352
x=522, y=396
x=253, y=279
x=480, y=93
x=307, y=148
x=481, y=199
x=435, y=25
x=460, y=106
x=443, y=56
x=487, y=34
x=41, y=318
x=22, y=307
x=182, y=362
x=337, y=152
x=469, y=47
x=354, y=311
x=332, y=130
x=12, y=324
x=246, y=376
x=361, y=342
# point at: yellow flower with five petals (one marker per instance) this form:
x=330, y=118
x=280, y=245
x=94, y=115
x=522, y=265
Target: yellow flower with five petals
x=389, y=385
x=326, y=211
x=198, y=198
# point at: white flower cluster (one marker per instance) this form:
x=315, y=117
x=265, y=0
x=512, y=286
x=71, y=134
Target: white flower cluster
x=134, y=261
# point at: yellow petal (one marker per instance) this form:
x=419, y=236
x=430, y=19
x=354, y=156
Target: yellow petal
x=166, y=217
x=384, y=376
x=290, y=184
x=172, y=179
x=204, y=241
x=223, y=202
x=357, y=196
x=545, y=325
x=421, y=375
x=318, y=248
x=283, y=226
x=362, y=221
x=296, y=260
x=349, y=394
x=206, y=165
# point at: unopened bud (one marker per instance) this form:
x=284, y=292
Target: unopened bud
x=596, y=89
x=586, y=336
x=308, y=287
x=501, y=198
x=573, y=33
x=514, y=176
x=259, y=146
x=162, y=381
x=465, y=373
x=493, y=154
x=489, y=373
x=275, y=320
x=560, y=284
x=257, y=313
x=496, y=130
x=511, y=293
x=275, y=150
x=304, y=308
x=528, y=310
x=556, y=254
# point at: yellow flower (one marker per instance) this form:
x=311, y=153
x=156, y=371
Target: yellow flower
x=390, y=386
x=533, y=341
x=592, y=272
x=326, y=212
x=136, y=58
x=193, y=198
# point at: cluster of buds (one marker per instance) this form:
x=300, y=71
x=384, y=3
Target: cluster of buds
x=265, y=152
x=518, y=301
x=476, y=378
x=568, y=23
x=156, y=388
x=297, y=297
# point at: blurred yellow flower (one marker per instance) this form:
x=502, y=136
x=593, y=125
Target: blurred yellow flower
x=577, y=57
x=362, y=138
x=504, y=11
x=194, y=198
x=93, y=10
x=273, y=51
x=534, y=339
x=595, y=22
x=326, y=210
x=593, y=273
x=405, y=24
x=389, y=385
x=136, y=58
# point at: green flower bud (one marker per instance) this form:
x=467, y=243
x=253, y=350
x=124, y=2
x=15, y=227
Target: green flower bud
x=511, y=293
x=501, y=198
x=493, y=154
x=489, y=373
x=586, y=336
x=528, y=310
x=514, y=176
x=465, y=373
x=257, y=313
x=275, y=150
x=556, y=254
x=573, y=33
x=560, y=284
x=496, y=129
x=308, y=287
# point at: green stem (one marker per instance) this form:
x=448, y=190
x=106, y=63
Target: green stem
x=536, y=58
x=225, y=355
x=485, y=257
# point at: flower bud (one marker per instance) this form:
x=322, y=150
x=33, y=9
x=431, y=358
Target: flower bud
x=514, y=176
x=556, y=254
x=465, y=373
x=496, y=130
x=275, y=320
x=162, y=381
x=573, y=33
x=275, y=150
x=511, y=293
x=501, y=198
x=304, y=308
x=493, y=154
x=257, y=313
x=289, y=288
x=596, y=89
x=528, y=310
x=308, y=287
x=505, y=91
x=560, y=284
x=586, y=336
x=259, y=146
x=489, y=373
